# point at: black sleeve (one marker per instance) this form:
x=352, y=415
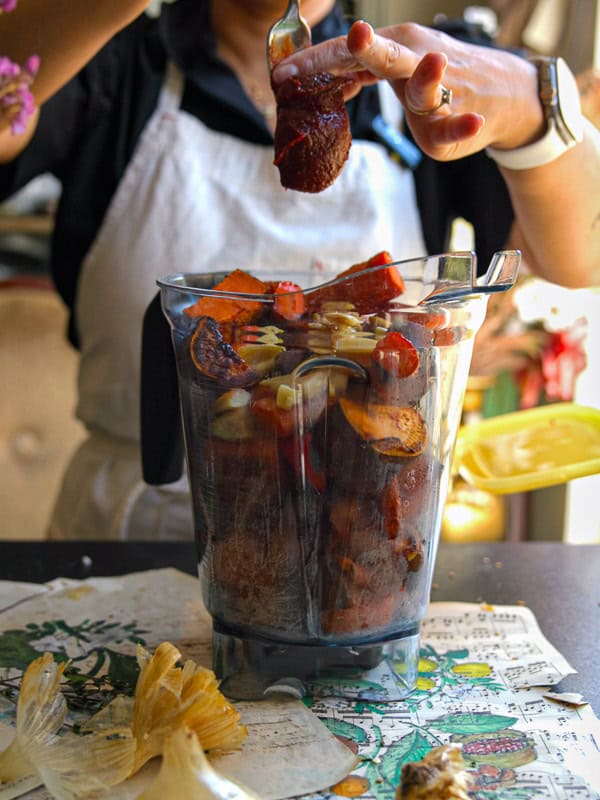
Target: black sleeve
x=472, y=188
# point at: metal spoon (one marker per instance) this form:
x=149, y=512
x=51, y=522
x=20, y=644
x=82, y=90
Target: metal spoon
x=288, y=34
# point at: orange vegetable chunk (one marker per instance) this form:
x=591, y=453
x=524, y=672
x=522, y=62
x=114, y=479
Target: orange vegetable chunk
x=368, y=291
x=223, y=309
x=395, y=431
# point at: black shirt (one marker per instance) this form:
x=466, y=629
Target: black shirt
x=88, y=131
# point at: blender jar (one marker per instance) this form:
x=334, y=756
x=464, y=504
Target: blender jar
x=319, y=427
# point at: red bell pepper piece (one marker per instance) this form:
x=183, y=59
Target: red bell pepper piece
x=289, y=301
x=315, y=477
x=396, y=355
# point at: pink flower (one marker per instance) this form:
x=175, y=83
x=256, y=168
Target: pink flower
x=7, y=5
x=16, y=101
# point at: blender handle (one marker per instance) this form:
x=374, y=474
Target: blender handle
x=161, y=431
x=332, y=362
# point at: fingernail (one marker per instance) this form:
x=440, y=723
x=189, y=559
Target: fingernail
x=284, y=71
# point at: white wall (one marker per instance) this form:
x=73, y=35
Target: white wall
x=582, y=513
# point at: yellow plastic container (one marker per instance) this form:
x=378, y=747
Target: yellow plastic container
x=530, y=449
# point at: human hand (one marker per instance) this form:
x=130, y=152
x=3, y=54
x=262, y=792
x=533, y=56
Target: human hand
x=494, y=93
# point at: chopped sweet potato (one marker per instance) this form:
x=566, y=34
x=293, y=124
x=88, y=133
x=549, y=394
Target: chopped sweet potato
x=434, y=320
x=367, y=291
x=227, y=310
x=393, y=431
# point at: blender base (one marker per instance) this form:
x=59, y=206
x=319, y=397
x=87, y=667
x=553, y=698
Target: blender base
x=255, y=669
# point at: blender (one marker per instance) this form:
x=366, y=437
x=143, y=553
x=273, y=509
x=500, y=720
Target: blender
x=318, y=426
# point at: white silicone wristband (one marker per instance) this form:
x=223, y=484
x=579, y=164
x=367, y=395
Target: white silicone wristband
x=550, y=147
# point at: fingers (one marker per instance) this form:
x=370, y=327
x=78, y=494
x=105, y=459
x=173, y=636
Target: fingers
x=415, y=61
x=445, y=133
x=361, y=51
x=331, y=56
x=423, y=91
x=382, y=56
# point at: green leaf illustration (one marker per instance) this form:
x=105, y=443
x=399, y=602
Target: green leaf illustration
x=457, y=655
x=410, y=748
x=510, y=793
x=15, y=650
x=123, y=670
x=346, y=729
x=472, y=723
x=378, y=788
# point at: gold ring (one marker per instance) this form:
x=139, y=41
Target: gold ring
x=445, y=100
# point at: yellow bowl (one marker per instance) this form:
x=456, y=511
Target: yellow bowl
x=530, y=449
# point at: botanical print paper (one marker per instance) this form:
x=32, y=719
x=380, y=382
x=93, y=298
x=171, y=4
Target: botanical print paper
x=483, y=679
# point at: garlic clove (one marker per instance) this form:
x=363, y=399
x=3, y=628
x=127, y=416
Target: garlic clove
x=232, y=399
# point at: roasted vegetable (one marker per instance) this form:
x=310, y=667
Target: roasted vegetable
x=396, y=355
x=290, y=404
x=390, y=430
x=372, y=612
x=225, y=309
x=216, y=359
x=312, y=136
x=362, y=285
x=289, y=301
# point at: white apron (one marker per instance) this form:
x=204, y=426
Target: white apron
x=195, y=200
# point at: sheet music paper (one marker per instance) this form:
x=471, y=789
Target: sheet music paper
x=483, y=675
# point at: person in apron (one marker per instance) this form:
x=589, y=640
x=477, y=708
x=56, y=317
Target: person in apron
x=181, y=169
x=194, y=198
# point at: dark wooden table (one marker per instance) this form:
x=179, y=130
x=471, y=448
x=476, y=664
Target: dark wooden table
x=559, y=582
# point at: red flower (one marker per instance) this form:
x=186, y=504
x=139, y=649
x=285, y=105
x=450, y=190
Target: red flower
x=563, y=358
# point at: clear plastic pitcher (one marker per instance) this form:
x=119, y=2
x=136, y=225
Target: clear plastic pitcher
x=319, y=427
